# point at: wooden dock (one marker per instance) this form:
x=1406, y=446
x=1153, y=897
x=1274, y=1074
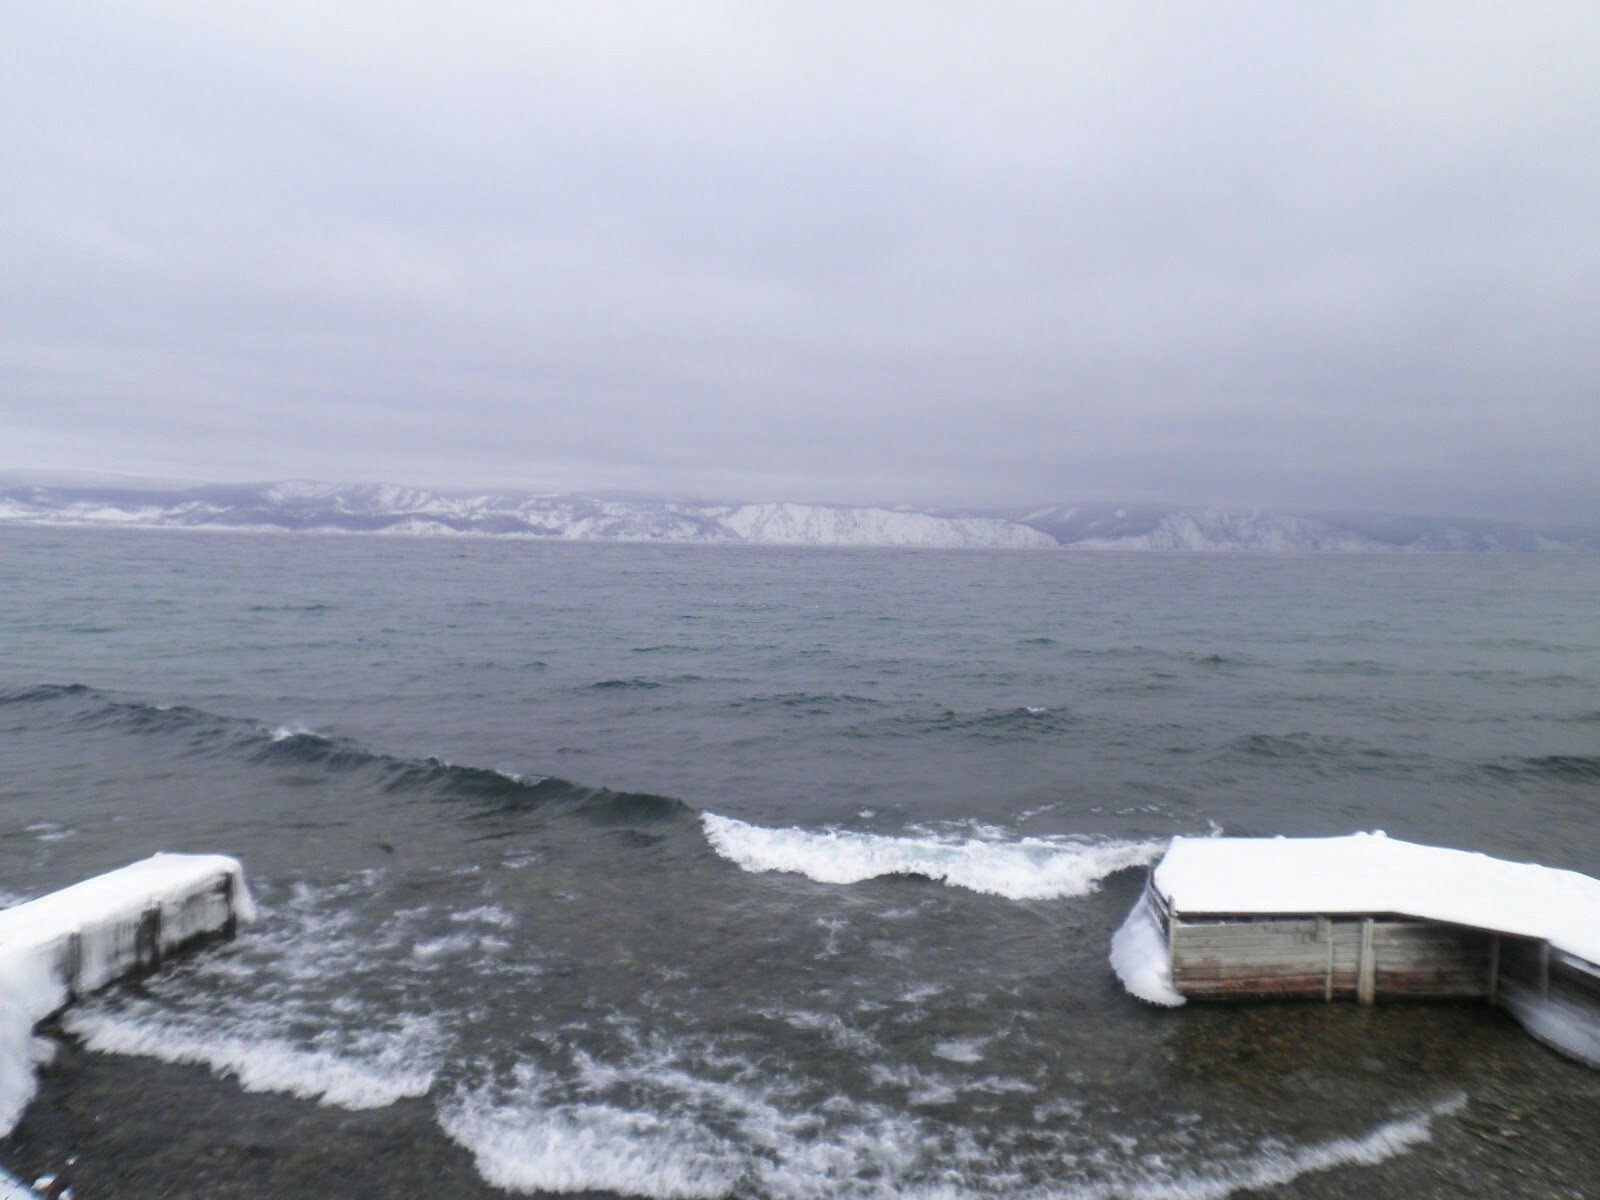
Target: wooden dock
x=1312, y=924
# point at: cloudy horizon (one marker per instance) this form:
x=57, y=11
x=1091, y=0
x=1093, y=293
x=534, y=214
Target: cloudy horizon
x=1254, y=256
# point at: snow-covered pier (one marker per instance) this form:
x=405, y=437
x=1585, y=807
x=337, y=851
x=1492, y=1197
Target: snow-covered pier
x=117, y=925
x=1368, y=917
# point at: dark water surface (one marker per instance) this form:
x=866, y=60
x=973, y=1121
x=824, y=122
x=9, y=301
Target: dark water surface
x=691, y=871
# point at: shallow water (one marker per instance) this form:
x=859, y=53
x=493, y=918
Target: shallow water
x=693, y=871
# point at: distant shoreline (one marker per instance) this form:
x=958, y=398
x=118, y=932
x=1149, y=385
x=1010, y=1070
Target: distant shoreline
x=390, y=511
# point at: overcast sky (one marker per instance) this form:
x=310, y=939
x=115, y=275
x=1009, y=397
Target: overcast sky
x=1295, y=255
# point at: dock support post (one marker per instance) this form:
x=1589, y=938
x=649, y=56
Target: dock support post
x=1494, y=970
x=1325, y=930
x=1168, y=908
x=1366, y=969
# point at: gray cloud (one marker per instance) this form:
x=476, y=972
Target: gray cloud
x=1255, y=253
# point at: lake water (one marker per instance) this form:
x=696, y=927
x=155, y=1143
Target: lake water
x=695, y=871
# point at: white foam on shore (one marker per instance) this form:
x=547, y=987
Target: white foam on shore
x=694, y=1139
x=1031, y=868
x=396, y=1067
x=297, y=1006
x=960, y=1050
x=830, y=1025
x=653, y=1126
x=1278, y=1166
x=521, y=1145
x=485, y=914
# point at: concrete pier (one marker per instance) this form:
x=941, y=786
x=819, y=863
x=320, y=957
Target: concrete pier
x=115, y=926
x=122, y=923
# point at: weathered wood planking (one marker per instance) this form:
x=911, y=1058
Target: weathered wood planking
x=1328, y=958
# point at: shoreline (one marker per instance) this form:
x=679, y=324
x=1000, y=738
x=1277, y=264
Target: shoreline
x=142, y=1129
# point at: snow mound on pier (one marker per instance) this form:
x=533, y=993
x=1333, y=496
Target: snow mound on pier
x=1368, y=873
x=73, y=941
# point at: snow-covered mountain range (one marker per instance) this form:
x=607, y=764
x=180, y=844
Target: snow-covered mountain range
x=387, y=509
x=1171, y=527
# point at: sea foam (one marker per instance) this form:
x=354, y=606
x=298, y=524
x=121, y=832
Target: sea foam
x=1278, y=1166
x=652, y=1126
x=283, y=1012
x=1139, y=957
x=1031, y=868
x=383, y=1074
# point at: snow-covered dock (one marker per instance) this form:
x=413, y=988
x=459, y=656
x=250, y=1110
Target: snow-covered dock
x=114, y=926
x=1368, y=917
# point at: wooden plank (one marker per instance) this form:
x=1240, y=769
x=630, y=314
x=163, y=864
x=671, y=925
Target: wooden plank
x=1444, y=983
x=1250, y=971
x=1308, y=987
x=1251, y=952
x=1311, y=953
x=1252, y=932
x=1303, y=925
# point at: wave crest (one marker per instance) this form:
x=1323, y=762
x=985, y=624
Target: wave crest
x=205, y=734
x=1032, y=868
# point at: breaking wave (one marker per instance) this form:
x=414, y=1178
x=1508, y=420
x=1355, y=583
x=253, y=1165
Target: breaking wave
x=1032, y=868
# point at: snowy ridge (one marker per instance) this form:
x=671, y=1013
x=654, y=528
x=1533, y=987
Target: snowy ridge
x=386, y=509
x=1032, y=868
x=810, y=525
x=1173, y=528
x=299, y=505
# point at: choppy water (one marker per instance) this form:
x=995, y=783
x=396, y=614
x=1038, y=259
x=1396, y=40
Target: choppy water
x=694, y=871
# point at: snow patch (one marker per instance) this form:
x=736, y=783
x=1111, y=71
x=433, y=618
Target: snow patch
x=1371, y=873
